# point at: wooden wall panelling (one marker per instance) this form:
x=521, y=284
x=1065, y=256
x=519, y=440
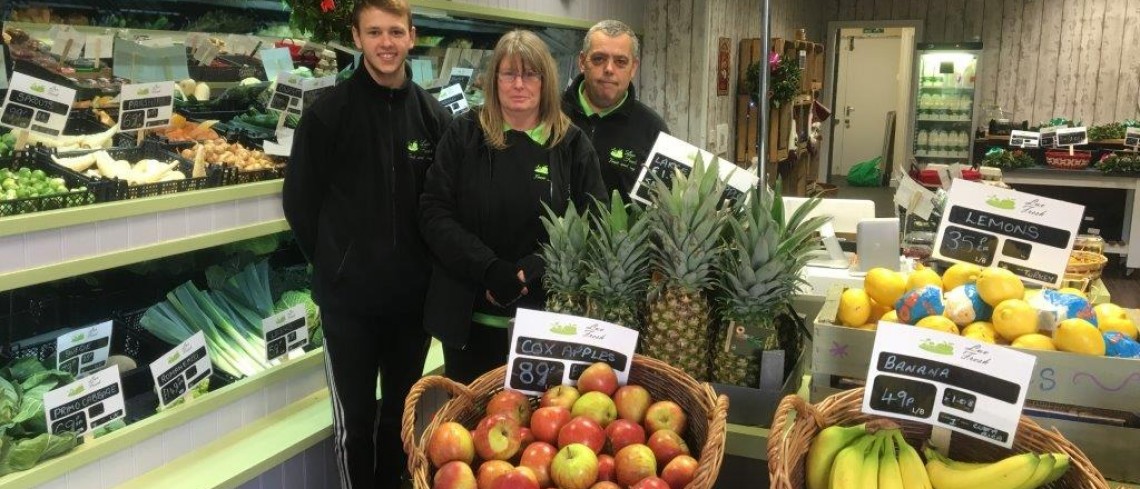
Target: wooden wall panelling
x=1090, y=58
x=865, y=10
x=1108, y=75
x=936, y=21
x=955, y=21
x=900, y=10
x=1026, y=63
x=1008, y=55
x=1130, y=65
x=972, y=25
x=991, y=43
x=653, y=56
x=1048, y=62
x=918, y=11
x=1068, y=61
x=677, y=68
x=701, y=75
x=882, y=9
x=847, y=10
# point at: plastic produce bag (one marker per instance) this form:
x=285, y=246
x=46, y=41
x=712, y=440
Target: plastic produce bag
x=866, y=173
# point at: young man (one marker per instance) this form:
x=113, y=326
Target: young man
x=352, y=197
x=602, y=103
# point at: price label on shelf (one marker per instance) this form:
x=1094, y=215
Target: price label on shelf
x=461, y=76
x=949, y=381
x=549, y=349
x=84, y=350
x=1049, y=137
x=988, y=226
x=36, y=105
x=453, y=99
x=85, y=404
x=285, y=331
x=181, y=369
x=1025, y=139
x=1072, y=136
x=1132, y=137
x=146, y=105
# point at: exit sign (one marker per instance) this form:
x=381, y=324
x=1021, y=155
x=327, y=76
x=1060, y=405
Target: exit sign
x=874, y=30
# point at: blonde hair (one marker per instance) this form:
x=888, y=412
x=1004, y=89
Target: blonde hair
x=533, y=55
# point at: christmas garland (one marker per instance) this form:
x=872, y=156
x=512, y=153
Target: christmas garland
x=786, y=76
x=324, y=20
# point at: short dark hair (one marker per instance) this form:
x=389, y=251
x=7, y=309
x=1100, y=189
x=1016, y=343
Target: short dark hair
x=394, y=7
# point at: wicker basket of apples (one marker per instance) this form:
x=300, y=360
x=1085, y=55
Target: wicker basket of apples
x=662, y=430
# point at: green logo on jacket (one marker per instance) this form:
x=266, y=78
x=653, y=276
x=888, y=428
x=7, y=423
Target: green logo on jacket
x=623, y=158
x=542, y=172
x=420, y=150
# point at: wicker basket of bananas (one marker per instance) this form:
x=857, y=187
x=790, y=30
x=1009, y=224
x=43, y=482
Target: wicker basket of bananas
x=834, y=444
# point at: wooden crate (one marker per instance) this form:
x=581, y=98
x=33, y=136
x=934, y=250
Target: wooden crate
x=747, y=130
x=749, y=54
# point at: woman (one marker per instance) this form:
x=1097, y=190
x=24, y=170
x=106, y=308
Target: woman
x=494, y=169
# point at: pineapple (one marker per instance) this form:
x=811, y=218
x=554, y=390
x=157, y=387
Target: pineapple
x=617, y=264
x=563, y=253
x=760, y=274
x=687, y=225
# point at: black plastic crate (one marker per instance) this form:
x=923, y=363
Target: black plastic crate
x=230, y=175
x=219, y=70
x=32, y=160
x=121, y=190
x=130, y=321
x=248, y=66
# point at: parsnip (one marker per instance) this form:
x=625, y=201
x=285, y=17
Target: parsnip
x=76, y=163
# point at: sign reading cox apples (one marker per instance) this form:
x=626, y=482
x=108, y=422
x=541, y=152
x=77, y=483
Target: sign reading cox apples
x=1028, y=235
x=949, y=381
x=550, y=349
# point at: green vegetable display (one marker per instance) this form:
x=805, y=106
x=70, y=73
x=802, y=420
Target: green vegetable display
x=1007, y=159
x=26, y=183
x=312, y=312
x=1120, y=163
x=24, y=440
x=7, y=144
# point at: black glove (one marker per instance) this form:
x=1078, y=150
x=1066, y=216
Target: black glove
x=502, y=279
x=533, y=267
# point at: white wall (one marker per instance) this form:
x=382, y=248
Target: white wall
x=631, y=12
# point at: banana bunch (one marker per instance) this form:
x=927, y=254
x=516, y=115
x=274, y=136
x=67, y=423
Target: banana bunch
x=1021, y=471
x=844, y=457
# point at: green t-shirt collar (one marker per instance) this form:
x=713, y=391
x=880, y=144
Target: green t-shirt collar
x=539, y=134
x=589, y=110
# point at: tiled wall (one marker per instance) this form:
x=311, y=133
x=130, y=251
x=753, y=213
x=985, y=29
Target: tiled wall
x=314, y=468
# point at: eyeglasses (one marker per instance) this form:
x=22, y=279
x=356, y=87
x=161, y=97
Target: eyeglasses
x=599, y=60
x=511, y=76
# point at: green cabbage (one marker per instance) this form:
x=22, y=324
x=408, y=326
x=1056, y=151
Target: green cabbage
x=291, y=298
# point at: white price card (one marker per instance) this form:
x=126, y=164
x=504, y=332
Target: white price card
x=84, y=350
x=85, y=404
x=67, y=43
x=1030, y=236
x=99, y=46
x=181, y=369
x=1049, y=137
x=1132, y=137
x=1072, y=136
x=146, y=106
x=462, y=76
x=287, y=96
x=944, y=380
x=915, y=198
x=549, y=349
x=453, y=99
x=285, y=331
x=36, y=105
x=276, y=61
x=1024, y=139
x=670, y=154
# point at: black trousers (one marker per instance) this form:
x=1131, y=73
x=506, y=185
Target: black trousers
x=486, y=350
x=358, y=347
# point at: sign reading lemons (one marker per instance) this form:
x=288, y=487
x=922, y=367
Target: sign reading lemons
x=549, y=349
x=84, y=351
x=85, y=404
x=181, y=369
x=949, y=381
x=1028, y=235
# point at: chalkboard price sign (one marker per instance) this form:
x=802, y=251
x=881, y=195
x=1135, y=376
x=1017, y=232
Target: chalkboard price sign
x=549, y=349
x=968, y=245
x=85, y=404
x=532, y=374
x=903, y=396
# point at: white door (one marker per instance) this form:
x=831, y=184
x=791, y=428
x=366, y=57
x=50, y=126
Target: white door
x=867, y=88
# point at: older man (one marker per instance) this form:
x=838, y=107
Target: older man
x=602, y=103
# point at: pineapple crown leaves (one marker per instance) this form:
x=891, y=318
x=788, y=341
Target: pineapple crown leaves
x=687, y=225
x=799, y=233
x=617, y=258
x=565, y=249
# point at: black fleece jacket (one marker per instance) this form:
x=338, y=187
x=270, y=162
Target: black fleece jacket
x=352, y=190
x=623, y=138
x=457, y=222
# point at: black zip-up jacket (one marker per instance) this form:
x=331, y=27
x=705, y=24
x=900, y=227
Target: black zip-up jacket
x=455, y=218
x=352, y=190
x=623, y=138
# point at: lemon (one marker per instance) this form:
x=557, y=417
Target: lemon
x=1123, y=326
x=891, y=315
x=922, y=277
x=1013, y=318
x=1079, y=336
x=998, y=284
x=960, y=274
x=877, y=311
x=981, y=331
x=1034, y=341
x=1108, y=311
x=885, y=286
x=870, y=326
x=854, y=307
x=938, y=323
x=1072, y=291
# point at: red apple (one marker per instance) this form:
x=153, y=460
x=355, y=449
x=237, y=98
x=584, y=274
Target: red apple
x=510, y=402
x=537, y=457
x=498, y=437
x=632, y=401
x=605, y=468
x=450, y=442
x=665, y=415
x=599, y=377
x=651, y=483
x=575, y=467
x=634, y=463
x=596, y=406
x=527, y=436
x=605, y=485
x=517, y=478
x=491, y=470
x=546, y=421
x=559, y=395
x=454, y=475
x=582, y=430
x=680, y=472
x=667, y=445
x=623, y=432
